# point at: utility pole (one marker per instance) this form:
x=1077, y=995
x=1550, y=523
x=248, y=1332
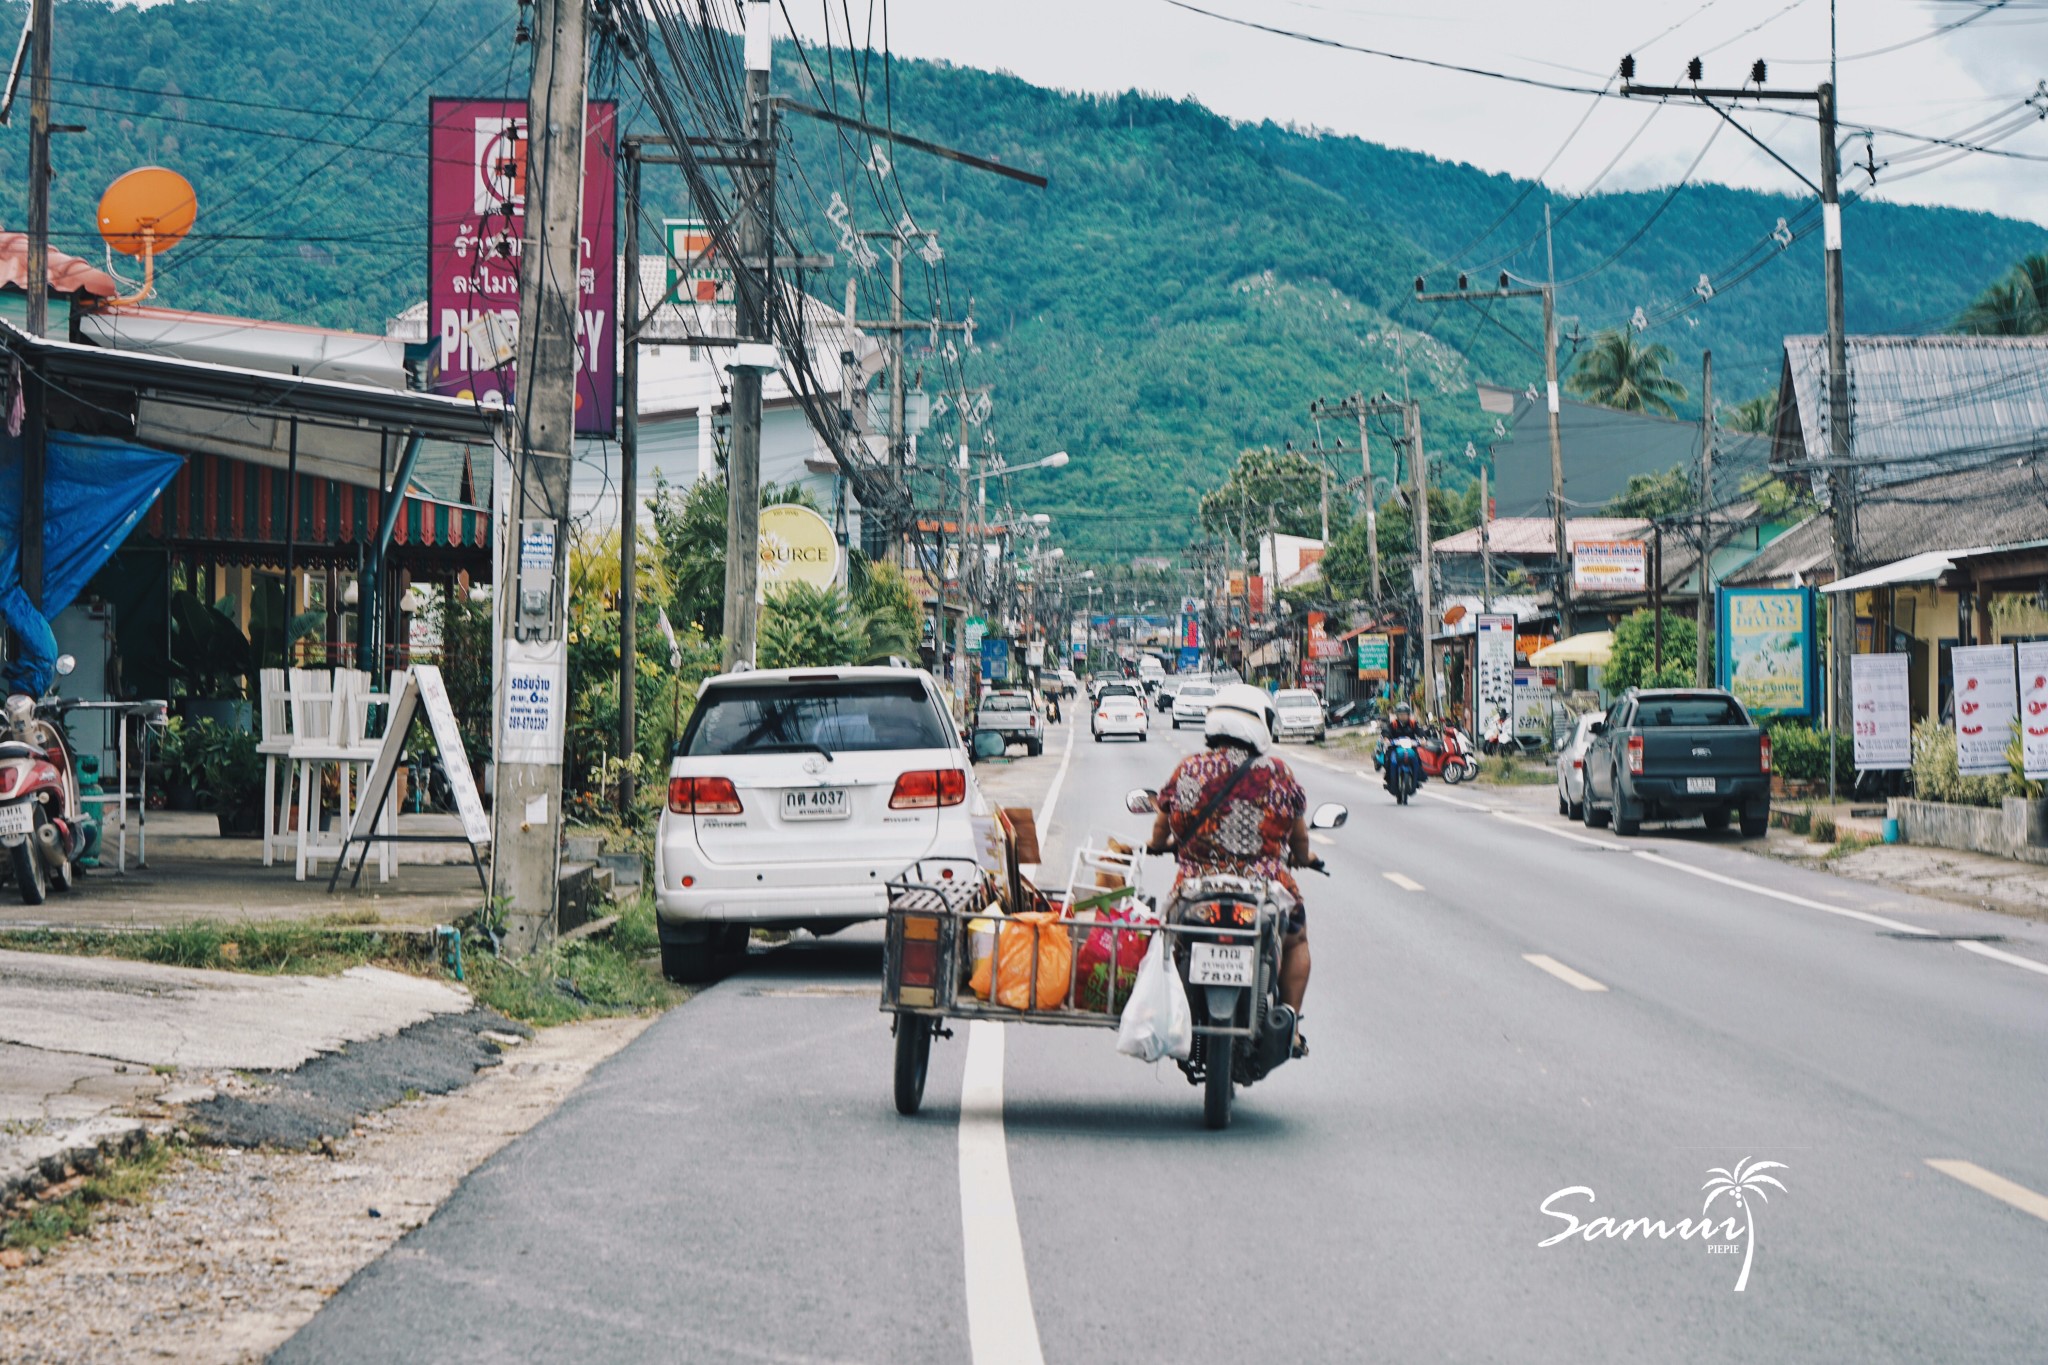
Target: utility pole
x=1704, y=615
x=1485, y=544
x=1360, y=407
x=754, y=276
x=1842, y=475
x=35, y=432
x=1422, y=548
x=527, y=801
x=629, y=482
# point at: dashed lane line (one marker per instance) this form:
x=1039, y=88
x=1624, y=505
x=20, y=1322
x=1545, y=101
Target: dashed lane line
x=1405, y=883
x=1579, y=980
x=1993, y=1184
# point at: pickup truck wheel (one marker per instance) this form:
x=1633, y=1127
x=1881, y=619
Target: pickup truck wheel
x=1753, y=826
x=1625, y=824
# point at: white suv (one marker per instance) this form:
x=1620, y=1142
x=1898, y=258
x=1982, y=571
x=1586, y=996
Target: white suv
x=794, y=795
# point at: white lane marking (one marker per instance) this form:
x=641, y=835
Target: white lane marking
x=1405, y=883
x=1997, y=1186
x=1454, y=800
x=1790, y=899
x=1562, y=972
x=1570, y=834
x=2000, y=955
x=1001, y=1327
x=1321, y=838
x=1052, y=796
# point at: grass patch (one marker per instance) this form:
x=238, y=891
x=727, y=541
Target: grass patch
x=1823, y=830
x=1502, y=770
x=123, y=1180
x=267, y=947
x=617, y=974
x=1851, y=842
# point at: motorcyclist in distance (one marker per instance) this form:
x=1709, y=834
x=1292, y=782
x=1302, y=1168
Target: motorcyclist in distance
x=1255, y=823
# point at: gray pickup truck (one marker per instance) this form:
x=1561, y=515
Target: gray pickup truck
x=1669, y=753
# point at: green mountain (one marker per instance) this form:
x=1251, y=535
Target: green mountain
x=1184, y=288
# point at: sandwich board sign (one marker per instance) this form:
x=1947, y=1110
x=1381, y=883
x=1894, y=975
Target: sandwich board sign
x=423, y=685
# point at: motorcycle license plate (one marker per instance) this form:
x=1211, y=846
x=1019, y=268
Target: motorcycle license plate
x=1700, y=786
x=1219, y=964
x=17, y=819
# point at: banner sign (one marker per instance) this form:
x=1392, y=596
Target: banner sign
x=1494, y=683
x=693, y=275
x=977, y=627
x=476, y=222
x=1610, y=566
x=1768, y=650
x=1190, y=659
x=2034, y=709
x=1375, y=657
x=1881, y=699
x=1986, y=706
x=1320, y=645
x=1533, y=690
x=797, y=546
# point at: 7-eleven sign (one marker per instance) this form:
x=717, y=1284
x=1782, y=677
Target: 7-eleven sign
x=694, y=272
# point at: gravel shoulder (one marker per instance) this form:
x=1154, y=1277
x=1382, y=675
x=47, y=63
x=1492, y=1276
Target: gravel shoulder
x=238, y=1248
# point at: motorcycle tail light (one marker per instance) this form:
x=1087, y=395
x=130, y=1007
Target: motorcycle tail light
x=1244, y=914
x=920, y=963
x=10, y=778
x=1204, y=914
x=1764, y=754
x=1635, y=755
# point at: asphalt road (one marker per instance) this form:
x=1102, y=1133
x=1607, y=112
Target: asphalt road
x=736, y=1185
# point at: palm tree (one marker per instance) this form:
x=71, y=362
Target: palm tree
x=1756, y=415
x=1742, y=1182
x=2015, y=306
x=1617, y=371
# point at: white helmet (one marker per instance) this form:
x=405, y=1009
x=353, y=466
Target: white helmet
x=1243, y=713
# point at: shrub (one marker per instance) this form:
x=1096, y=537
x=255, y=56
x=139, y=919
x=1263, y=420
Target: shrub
x=1799, y=753
x=1937, y=777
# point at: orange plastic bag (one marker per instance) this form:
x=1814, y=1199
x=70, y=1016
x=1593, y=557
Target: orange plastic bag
x=1019, y=940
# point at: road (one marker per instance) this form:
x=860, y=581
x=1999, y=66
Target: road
x=737, y=1186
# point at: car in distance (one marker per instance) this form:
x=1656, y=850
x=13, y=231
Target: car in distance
x=1014, y=716
x=1668, y=753
x=1298, y=714
x=1097, y=680
x=1120, y=710
x=1069, y=684
x=1571, y=766
x=1170, y=687
x=794, y=795
x=1191, y=704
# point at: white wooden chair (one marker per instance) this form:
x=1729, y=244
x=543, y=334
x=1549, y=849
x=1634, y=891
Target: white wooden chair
x=319, y=707
x=275, y=743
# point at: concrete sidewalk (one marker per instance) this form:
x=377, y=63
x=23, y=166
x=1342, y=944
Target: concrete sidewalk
x=94, y=1051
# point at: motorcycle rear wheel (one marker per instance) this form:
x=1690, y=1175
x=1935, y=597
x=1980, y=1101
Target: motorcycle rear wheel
x=29, y=875
x=1217, y=1090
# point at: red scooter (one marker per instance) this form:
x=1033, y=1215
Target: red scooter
x=42, y=822
x=1449, y=755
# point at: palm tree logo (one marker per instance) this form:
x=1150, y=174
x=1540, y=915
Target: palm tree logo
x=1741, y=1183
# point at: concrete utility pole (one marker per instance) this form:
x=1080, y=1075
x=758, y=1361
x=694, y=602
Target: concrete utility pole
x=629, y=481
x=1422, y=549
x=1485, y=544
x=532, y=582
x=1360, y=407
x=1704, y=618
x=1841, y=473
x=753, y=358
x=35, y=438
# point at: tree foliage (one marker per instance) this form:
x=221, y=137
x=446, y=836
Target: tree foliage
x=1284, y=483
x=689, y=527
x=1619, y=371
x=804, y=626
x=1347, y=567
x=1635, y=655
x=1757, y=416
x=2015, y=306
x=1651, y=496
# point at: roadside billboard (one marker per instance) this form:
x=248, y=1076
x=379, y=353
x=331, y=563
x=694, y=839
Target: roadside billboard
x=1494, y=680
x=797, y=546
x=2034, y=709
x=476, y=222
x=1768, y=650
x=1880, y=697
x=1375, y=657
x=1987, y=703
x=1610, y=566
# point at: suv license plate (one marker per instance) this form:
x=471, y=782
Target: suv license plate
x=1218, y=964
x=816, y=803
x=1700, y=786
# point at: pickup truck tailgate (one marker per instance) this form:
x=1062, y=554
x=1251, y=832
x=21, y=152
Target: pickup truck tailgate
x=1702, y=751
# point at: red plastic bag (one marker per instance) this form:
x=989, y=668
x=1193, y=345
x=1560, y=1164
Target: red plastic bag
x=1109, y=963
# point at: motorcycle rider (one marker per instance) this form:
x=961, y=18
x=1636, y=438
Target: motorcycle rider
x=1401, y=725
x=1237, y=810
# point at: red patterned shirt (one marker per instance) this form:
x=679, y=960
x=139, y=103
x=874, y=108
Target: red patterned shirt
x=1248, y=834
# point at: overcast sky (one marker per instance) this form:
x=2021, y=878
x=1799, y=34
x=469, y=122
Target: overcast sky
x=1938, y=85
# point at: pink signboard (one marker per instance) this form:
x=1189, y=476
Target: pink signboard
x=476, y=217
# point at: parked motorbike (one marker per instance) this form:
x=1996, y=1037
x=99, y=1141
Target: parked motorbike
x=1500, y=738
x=1230, y=965
x=1453, y=758
x=43, y=825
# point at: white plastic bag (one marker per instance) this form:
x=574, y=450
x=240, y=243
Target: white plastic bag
x=1156, y=1021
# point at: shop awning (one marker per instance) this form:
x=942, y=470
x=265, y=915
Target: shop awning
x=1593, y=647
x=1926, y=567
x=241, y=511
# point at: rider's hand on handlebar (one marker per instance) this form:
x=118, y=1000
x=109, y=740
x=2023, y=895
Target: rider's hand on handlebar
x=1314, y=865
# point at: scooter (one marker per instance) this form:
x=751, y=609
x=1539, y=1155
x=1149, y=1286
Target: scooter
x=43, y=825
x=1402, y=763
x=1451, y=758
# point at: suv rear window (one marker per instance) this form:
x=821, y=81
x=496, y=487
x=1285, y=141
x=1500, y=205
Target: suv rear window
x=1656, y=713
x=856, y=715
x=1006, y=704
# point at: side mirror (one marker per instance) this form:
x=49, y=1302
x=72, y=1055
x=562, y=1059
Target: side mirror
x=65, y=663
x=1598, y=727
x=1329, y=815
x=1141, y=801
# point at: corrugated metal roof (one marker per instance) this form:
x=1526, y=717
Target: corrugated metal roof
x=1918, y=405
x=1534, y=536
x=68, y=274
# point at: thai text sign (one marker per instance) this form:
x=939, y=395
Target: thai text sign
x=1768, y=655
x=1375, y=657
x=476, y=217
x=1884, y=712
x=2034, y=708
x=1610, y=566
x=1986, y=706
x=1494, y=684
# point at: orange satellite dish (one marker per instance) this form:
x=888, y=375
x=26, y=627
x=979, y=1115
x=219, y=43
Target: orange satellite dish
x=147, y=211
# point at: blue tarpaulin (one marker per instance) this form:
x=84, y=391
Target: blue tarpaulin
x=95, y=489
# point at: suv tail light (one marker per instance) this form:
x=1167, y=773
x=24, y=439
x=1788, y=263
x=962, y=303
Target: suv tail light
x=703, y=796
x=1635, y=755
x=925, y=788
x=1763, y=753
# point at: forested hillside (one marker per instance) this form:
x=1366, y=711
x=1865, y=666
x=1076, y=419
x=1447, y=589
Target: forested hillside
x=1183, y=289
